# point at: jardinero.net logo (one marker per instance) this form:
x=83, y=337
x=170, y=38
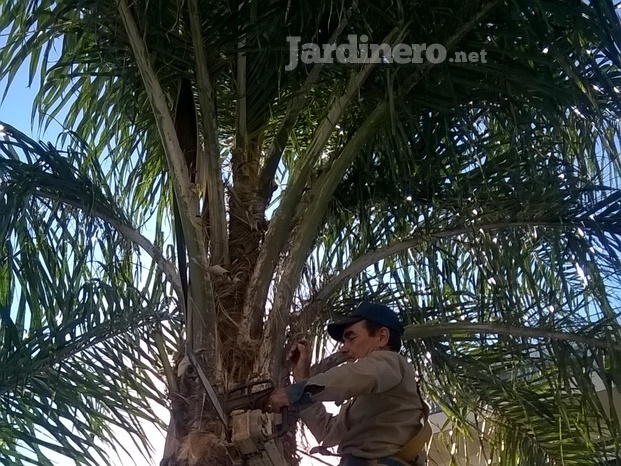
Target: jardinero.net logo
x=357, y=50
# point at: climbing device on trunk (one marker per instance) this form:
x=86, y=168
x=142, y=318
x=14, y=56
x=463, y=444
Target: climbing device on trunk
x=253, y=437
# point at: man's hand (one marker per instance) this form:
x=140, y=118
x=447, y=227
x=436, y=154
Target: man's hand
x=299, y=357
x=275, y=401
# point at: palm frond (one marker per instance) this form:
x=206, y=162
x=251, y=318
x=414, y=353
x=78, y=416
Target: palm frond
x=76, y=356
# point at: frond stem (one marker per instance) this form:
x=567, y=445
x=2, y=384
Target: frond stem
x=218, y=234
x=431, y=329
x=279, y=230
x=310, y=313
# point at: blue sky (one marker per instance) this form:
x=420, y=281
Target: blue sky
x=16, y=108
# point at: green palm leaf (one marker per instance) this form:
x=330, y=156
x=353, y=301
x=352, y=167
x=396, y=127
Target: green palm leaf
x=72, y=371
x=480, y=199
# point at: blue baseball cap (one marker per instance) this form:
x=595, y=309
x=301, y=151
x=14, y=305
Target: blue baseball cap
x=376, y=313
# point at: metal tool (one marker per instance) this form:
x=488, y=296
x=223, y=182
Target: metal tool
x=205, y=381
x=251, y=396
x=252, y=436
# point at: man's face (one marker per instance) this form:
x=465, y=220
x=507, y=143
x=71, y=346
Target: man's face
x=357, y=343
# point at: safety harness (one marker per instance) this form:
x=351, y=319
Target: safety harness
x=403, y=457
x=409, y=451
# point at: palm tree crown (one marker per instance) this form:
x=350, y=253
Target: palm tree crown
x=480, y=199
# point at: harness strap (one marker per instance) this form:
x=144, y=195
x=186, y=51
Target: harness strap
x=418, y=443
x=387, y=461
x=404, y=456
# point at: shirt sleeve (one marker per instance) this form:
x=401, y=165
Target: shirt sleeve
x=375, y=373
x=299, y=395
x=318, y=421
x=314, y=415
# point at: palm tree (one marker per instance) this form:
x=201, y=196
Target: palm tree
x=478, y=199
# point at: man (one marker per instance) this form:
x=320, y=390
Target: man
x=384, y=412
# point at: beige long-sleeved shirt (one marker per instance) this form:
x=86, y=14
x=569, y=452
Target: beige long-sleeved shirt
x=383, y=412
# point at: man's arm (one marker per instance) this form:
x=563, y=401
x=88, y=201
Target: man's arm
x=376, y=373
x=318, y=420
x=314, y=415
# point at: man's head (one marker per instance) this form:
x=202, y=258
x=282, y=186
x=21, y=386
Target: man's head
x=370, y=327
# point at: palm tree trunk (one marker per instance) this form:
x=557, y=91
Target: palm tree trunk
x=195, y=435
